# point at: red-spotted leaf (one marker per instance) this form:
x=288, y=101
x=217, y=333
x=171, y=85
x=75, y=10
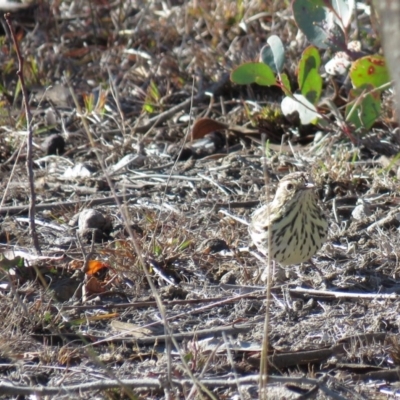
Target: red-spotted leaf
x=369, y=70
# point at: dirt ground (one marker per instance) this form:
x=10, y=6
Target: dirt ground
x=146, y=285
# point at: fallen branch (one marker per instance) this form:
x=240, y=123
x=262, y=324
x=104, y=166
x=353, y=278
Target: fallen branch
x=7, y=388
x=326, y=294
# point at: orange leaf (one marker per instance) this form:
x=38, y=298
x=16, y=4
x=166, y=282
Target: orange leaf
x=95, y=266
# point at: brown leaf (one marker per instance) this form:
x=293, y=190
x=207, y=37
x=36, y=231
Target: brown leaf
x=94, y=286
x=204, y=126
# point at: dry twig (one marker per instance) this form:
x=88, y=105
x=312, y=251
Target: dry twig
x=29, y=157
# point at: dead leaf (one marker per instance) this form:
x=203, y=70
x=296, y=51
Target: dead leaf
x=94, y=286
x=204, y=126
x=94, y=266
x=131, y=329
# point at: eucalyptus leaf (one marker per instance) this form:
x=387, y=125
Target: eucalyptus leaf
x=253, y=72
x=273, y=54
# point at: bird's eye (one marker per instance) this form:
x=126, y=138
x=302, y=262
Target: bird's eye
x=289, y=186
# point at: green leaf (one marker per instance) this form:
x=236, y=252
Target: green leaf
x=253, y=72
x=6, y=264
x=309, y=78
x=285, y=84
x=147, y=107
x=367, y=108
x=184, y=245
x=47, y=316
x=157, y=250
x=369, y=70
x=317, y=22
x=153, y=91
x=344, y=9
x=273, y=54
x=18, y=89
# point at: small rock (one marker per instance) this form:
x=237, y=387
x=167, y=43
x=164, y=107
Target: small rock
x=93, y=224
x=362, y=210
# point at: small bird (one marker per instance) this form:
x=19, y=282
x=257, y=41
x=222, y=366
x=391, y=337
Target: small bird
x=299, y=227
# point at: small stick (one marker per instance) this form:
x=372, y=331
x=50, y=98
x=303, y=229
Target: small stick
x=29, y=147
x=265, y=343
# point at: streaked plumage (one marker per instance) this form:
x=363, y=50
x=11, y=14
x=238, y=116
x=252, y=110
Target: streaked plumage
x=299, y=227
